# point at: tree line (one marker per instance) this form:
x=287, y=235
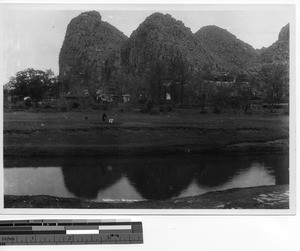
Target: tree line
x=235, y=89
x=175, y=82
x=36, y=85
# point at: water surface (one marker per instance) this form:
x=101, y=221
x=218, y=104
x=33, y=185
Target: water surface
x=141, y=178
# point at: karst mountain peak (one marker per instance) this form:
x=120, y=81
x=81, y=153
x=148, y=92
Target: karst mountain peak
x=93, y=48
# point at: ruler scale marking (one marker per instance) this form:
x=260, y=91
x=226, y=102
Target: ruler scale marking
x=64, y=232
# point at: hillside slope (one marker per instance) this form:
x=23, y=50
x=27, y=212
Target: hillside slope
x=89, y=46
x=232, y=52
x=161, y=37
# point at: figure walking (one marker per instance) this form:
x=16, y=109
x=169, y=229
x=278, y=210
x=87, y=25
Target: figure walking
x=104, y=117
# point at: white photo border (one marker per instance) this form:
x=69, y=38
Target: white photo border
x=165, y=7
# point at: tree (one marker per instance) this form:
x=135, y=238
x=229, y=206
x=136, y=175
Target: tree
x=275, y=80
x=204, y=88
x=254, y=81
x=34, y=84
x=129, y=83
x=220, y=98
x=179, y=72
x=243, y=90
x=52, y=86
x=157, y=75
x=197, y=91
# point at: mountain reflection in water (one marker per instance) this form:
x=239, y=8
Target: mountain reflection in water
x=155, y=178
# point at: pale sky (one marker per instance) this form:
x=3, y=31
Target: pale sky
x=32, y=36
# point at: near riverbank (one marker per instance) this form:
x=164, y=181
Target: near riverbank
x=266, y=197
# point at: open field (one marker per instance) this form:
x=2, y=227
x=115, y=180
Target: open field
x=180, y=131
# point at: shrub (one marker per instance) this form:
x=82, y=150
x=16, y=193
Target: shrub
x=154, y=112
x=147, y=108
x=95, y=106
x=169, y=108
x=18, y=104
x=47, y=106
x=144, y=110
x=165, y=108
x=28, y=103
x=125, y=107
x=217, y=110
x=75, y=105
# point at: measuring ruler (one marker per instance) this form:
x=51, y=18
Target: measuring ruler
x=59, y=232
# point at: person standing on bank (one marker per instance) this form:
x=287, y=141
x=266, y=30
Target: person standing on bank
x=104, y=117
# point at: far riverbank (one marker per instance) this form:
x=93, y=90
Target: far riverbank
x=177, y=132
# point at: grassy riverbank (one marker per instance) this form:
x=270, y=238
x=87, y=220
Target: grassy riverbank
x=266, y=197
x=180, y=131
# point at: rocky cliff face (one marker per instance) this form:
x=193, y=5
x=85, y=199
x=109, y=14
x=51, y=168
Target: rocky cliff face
x=93, y=50
x=91, y=46
x=161, y=37
x=232, y=52
x=279, y=51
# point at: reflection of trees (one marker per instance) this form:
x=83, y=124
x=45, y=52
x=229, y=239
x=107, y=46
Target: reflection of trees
x=278, y=165
x=157, y=178
x=161, y=179
x=213, y=172
x=218, y=170
x=85, y=177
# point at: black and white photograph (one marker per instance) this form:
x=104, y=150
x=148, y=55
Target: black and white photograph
x=147, y=107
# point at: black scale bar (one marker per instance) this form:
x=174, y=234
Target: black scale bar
x=56, y=232
x=31, y=232
x=70, y=239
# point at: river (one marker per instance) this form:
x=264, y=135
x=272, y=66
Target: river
x=141, y=178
